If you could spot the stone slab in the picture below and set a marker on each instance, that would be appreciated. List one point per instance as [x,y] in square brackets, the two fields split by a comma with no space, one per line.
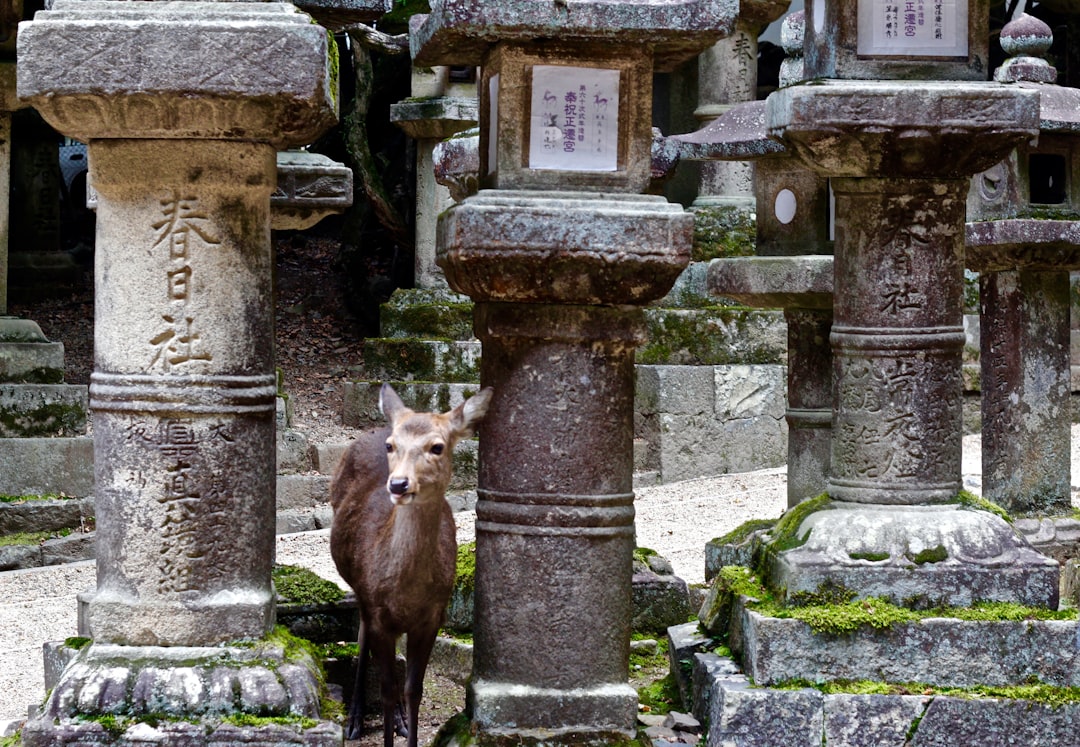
[44,515]
[936,651]
[738,410]
[310,187]
[32,362]
[804,282]
[302,491]
[293,451]
[713,336]
[427,313]
[750,716]
[434,117]
[458,33]
[38,466]
[33,410]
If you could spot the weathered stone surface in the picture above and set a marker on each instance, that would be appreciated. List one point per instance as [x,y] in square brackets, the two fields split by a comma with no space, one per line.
[310,187]
[757,717]
[660,601]
[804,282]
[457,164]
[936,555]
[292,451]
[741,552]
[1034,244]
[573,248]
[862,128]
[44,515]
[713,336]
[937,651]
[405,359]
[685,641]
[70,549]
[336,14]
[954,721]
[435,118]
[76,68]
[459,33]
[39,410]
[427,313]
[32,362]
[739,410]
[738,134]
[1057,537]
[14,557]
[707,669]
[37,466]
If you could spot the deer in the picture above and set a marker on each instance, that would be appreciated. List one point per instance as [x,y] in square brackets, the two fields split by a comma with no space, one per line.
[394,541]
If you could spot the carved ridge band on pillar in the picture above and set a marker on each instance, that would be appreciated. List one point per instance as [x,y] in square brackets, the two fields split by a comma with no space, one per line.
[207,394]
[868,340]
[555,514]
[806,418]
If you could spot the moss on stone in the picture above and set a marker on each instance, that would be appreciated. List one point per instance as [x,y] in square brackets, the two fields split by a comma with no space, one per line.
[29,498]
[43,420]
[785,535]
[936,554]
[976,503]
[31,538]
[465,573]
[875,557]
[302,586]
[741,533]
[78,643]
[723,232]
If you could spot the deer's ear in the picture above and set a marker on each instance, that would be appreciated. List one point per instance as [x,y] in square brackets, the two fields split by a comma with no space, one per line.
[390,404]
[465,417]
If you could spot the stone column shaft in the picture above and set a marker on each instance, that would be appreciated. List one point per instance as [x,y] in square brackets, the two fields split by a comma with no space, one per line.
[809,411]
[1025,390]
[5,201]
[555,512]
[183,391]
[897,340]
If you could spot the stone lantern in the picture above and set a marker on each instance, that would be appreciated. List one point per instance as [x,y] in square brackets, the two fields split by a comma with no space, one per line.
[1022,238]
[559,251]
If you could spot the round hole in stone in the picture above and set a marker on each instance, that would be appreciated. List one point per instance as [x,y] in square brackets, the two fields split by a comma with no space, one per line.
[785,205]
[819,16]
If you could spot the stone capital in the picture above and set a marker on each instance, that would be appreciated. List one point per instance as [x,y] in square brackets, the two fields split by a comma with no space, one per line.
[459,32]
[568,248]
[1022,244]
[902,128]
[105,69]
[801,282]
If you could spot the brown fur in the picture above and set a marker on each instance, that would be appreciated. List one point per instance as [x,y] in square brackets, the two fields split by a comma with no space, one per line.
[399,557]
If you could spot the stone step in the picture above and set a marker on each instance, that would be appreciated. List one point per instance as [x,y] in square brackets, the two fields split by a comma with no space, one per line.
[39,410]
[427,313]
[745,713]
[44,514]
[39,466]
[409,359]
[718,335]
[690,290]
[32,362]
[939,651]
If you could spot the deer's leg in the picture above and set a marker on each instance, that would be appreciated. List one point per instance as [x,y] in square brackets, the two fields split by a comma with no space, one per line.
[382,647]
[355,723]
[418,652]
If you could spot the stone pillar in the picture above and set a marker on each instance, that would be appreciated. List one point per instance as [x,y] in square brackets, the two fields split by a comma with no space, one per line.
[183,161]
[1024,362]
[560,539]
[809,410]
[897,340]
[556,276]
[1023,259]
[183,391]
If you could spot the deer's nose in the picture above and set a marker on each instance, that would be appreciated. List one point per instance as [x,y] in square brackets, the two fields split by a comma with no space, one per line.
[399,485]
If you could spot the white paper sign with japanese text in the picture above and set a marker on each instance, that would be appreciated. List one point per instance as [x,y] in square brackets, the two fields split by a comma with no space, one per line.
[913,28]
[574,125]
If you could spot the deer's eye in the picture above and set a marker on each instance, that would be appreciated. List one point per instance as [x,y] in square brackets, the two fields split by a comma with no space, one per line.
[437,449]
[389,448]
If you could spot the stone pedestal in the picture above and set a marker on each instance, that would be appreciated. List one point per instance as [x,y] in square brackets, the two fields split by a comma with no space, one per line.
[183,389]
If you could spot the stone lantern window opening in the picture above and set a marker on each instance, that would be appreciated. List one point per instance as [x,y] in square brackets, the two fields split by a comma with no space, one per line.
[462,74]
[1048,180]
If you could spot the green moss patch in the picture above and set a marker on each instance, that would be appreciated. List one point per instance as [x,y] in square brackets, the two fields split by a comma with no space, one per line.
[465,574]
[302,586]
[975,503]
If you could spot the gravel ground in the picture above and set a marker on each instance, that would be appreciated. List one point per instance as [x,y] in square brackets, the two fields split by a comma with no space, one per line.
[676,520]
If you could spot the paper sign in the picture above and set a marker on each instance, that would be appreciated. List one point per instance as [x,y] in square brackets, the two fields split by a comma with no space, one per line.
[913,28]
[574,124]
